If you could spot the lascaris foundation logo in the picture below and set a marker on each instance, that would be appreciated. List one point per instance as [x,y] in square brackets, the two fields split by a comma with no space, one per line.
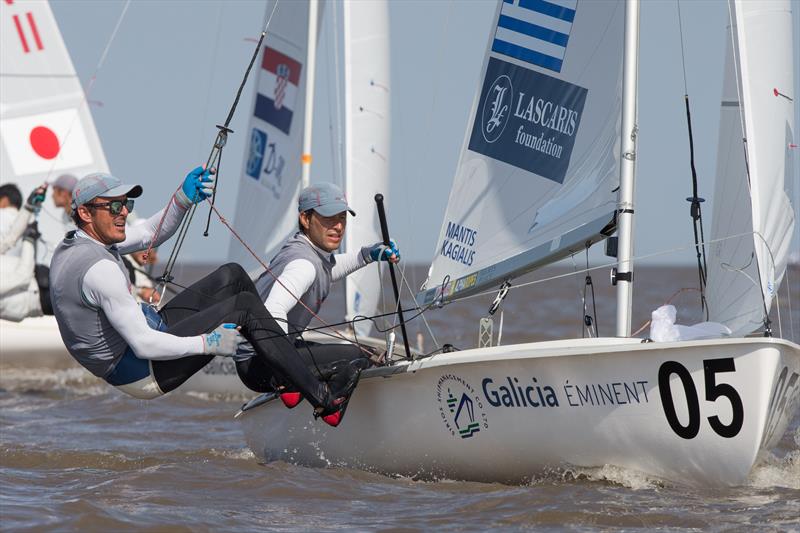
[460,407]
[496,106]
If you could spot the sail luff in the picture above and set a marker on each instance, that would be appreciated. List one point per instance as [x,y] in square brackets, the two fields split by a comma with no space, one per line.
[624,275]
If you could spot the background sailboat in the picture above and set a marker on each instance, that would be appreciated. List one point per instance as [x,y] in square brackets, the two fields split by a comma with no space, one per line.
[46,129]
[353,44]
[697,412]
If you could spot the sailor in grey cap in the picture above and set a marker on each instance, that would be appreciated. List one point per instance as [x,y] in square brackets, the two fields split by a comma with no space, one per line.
[147,352]
[306,266]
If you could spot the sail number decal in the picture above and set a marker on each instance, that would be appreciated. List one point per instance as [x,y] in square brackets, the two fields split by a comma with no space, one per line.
[714,391]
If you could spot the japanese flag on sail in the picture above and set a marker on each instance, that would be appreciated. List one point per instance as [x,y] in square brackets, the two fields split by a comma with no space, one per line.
[45,142]
[277,89]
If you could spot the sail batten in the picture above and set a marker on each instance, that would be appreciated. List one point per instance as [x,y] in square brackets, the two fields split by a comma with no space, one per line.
[539,167]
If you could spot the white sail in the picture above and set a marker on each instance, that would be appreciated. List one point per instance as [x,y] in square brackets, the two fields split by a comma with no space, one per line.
[366,144]
[45,123]
[753,219]
[539,167]
[266,207]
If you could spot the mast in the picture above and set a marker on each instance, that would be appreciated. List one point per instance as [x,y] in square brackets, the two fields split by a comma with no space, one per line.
[624,274]
[311,60]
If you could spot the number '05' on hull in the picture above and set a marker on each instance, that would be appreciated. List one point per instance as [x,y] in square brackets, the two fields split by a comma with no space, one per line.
[693,412]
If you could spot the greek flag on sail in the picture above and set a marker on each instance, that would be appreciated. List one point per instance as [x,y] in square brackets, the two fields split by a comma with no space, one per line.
[535,31]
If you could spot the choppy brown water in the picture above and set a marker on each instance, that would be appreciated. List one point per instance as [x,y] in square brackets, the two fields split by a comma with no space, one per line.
[77,455]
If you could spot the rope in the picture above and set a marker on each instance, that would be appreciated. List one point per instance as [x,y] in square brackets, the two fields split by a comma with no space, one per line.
[609,265]
[213,162]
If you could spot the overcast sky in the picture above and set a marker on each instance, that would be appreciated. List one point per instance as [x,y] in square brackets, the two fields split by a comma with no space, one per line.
[175,65]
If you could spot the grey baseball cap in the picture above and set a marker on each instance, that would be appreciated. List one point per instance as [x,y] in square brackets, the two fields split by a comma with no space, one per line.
[327,199]
[102,185]
[66,182]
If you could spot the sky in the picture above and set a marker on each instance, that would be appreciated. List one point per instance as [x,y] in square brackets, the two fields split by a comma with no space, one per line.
[173,69]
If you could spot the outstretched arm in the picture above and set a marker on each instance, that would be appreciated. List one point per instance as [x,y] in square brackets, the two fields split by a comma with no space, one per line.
[348,263]
[197,186]
[105,286]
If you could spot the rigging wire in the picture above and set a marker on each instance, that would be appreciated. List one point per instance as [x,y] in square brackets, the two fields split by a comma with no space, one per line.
[212,164]
[589,321]
[404,281]
[695,210]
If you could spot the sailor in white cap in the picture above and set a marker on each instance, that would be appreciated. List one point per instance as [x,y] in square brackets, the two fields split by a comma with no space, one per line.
[147,353]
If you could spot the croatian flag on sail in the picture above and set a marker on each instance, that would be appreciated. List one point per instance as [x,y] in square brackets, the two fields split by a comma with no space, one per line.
[535,31]
[277,89]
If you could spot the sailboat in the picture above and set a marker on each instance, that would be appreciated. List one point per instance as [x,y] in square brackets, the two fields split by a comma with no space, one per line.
[46,129]
[546,169]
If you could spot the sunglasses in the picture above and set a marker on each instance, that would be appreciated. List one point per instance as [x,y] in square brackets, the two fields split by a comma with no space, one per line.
[114,207]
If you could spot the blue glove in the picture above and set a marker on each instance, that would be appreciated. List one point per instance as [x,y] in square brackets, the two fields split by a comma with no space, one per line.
[199,184]
[222,341]
[381,252]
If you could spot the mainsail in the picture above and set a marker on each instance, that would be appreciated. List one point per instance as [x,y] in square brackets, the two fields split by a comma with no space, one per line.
[753,219]
[365,48]
[539,166]
[46,128]
[266,213]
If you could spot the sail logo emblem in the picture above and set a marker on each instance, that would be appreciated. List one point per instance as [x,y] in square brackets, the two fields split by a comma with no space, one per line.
[528,119]
[496,108]
[460,408]
[258,143]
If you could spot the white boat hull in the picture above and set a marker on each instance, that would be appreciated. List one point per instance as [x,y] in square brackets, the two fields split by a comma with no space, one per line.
[402,422]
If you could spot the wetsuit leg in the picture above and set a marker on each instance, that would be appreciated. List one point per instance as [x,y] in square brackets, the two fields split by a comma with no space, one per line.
[260,329]
[226,281]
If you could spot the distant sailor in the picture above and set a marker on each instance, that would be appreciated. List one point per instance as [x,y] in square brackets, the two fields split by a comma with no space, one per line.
[54,223]
[306,266]
[21,296]
[146,353]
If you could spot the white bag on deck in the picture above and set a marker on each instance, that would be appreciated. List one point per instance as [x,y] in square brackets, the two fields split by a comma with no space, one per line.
[664,329]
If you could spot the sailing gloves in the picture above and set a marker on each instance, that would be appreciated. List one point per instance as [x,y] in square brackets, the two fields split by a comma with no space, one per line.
[31,233]
[381,252]
[222,341]
[35,198]
[199,184]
